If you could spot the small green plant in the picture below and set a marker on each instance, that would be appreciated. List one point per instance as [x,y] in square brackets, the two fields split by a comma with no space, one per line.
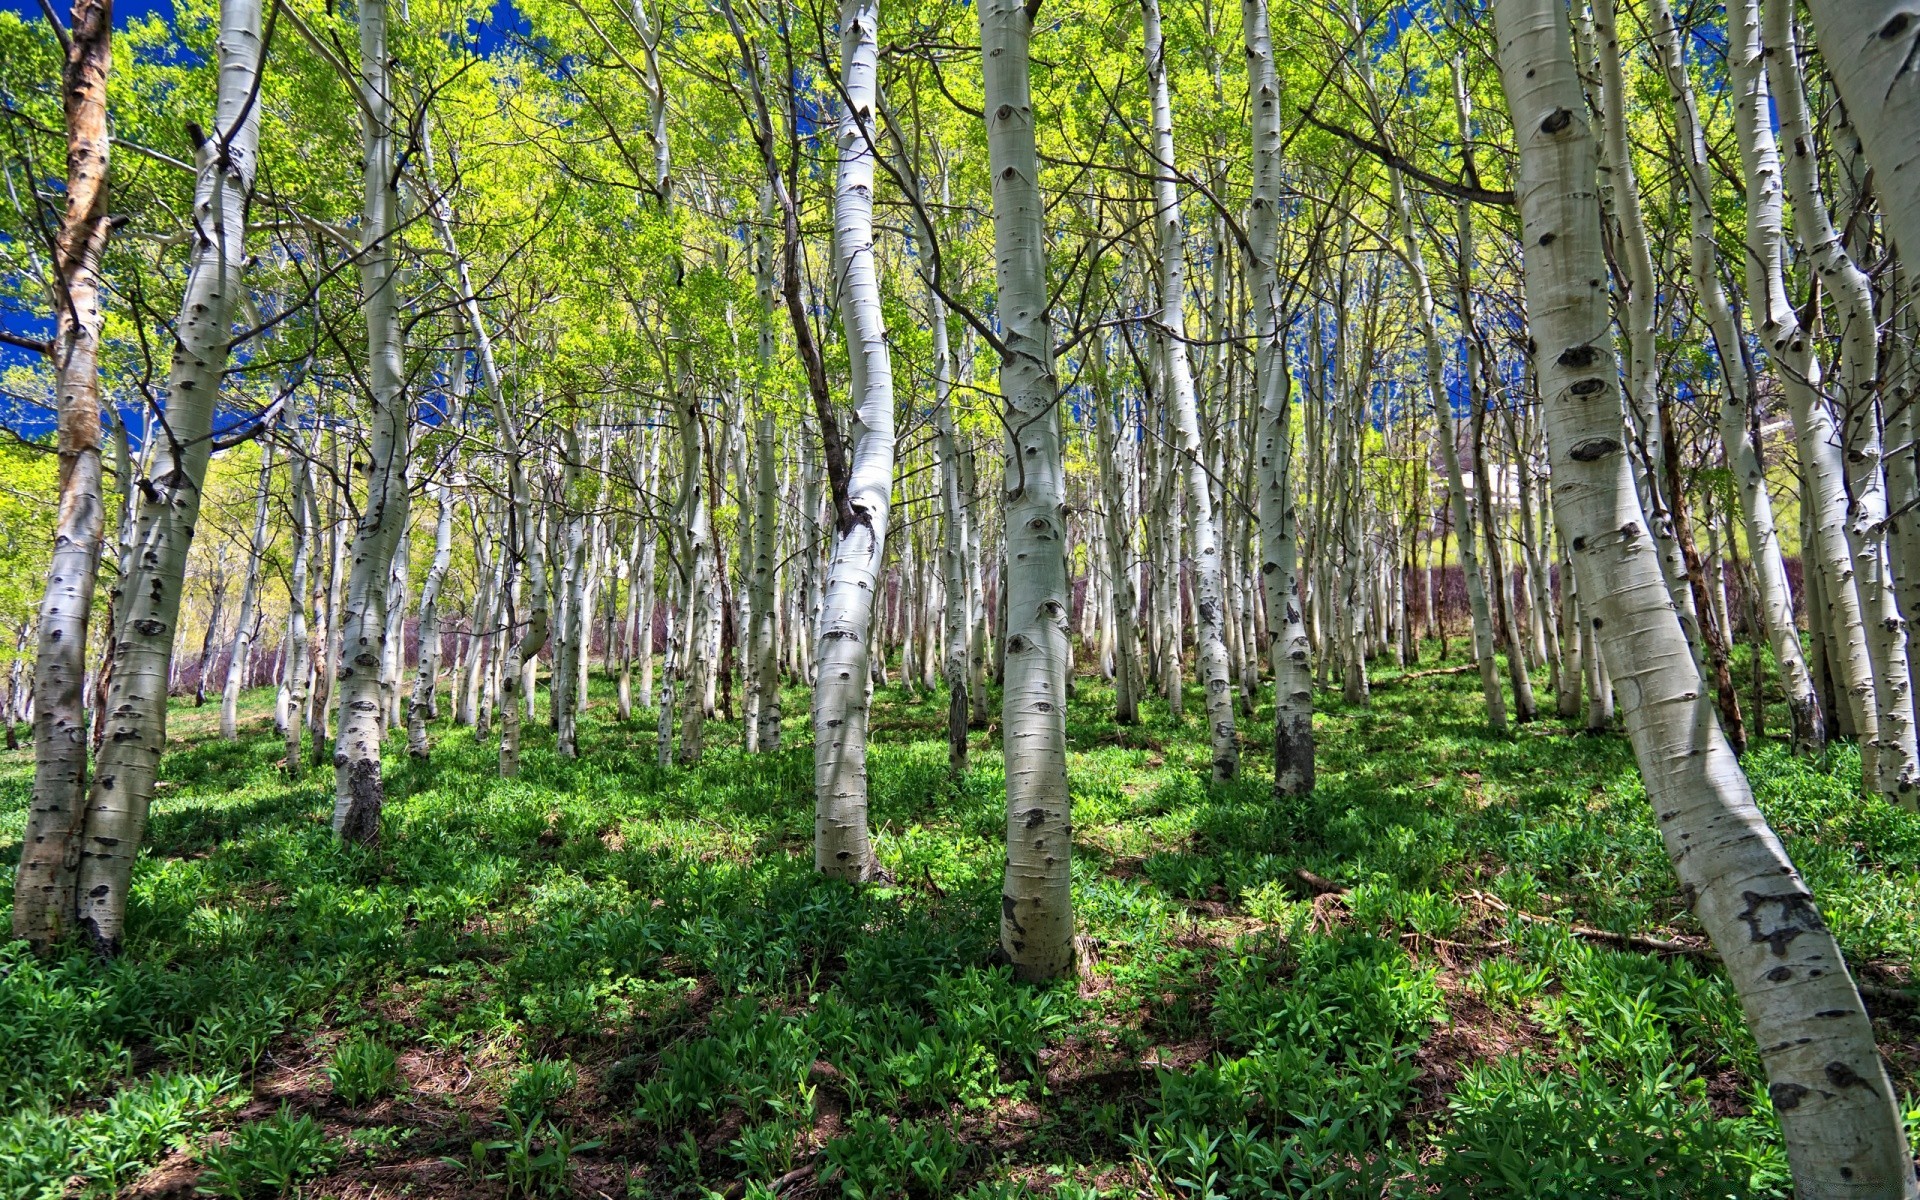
[362,1069]
[876,1158]
[534,1158]
[377,1140]
[268,1158]
[538,1085]
[226,1037]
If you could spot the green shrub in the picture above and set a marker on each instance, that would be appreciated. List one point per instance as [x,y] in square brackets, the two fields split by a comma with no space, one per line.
[268,1158]
[361,1069]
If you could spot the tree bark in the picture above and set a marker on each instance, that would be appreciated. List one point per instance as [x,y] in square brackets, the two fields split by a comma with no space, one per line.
[51,847]
[1837,1109]
[136,702]
[1293,755]
[359,790]
[240,656]
[1170,334]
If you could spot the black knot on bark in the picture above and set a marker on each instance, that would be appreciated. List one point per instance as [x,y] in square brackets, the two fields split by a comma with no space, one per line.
[1557,121]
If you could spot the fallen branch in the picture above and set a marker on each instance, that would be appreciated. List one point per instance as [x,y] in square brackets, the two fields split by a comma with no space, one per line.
[1390,680]
[1636,941]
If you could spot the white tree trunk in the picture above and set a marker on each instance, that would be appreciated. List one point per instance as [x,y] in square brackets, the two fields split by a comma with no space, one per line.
[428,675]
[299,664]
[840,696]
[358,788]
[240,655]
[1293,756]
[1797,366]
[52,844]
[1170,333]
[1036,915]
[1836,1107]
[1760,161]
[136,702]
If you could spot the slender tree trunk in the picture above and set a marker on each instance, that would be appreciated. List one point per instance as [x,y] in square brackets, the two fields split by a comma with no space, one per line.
[423,685]
[300,506]
[841,702]
[240,656]
[1837,1109]
[52,847]
[137,701]
[1036,917]
[217,609]
[1170,332]
[1824,492]
[1293,756]
[1759,157]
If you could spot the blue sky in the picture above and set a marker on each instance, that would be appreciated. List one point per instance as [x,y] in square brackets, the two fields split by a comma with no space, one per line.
[122,9]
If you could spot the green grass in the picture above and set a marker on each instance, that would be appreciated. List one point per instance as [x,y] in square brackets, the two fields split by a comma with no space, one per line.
[608,978]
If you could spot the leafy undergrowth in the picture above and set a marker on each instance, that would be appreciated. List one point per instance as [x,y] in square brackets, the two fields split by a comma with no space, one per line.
[608,979]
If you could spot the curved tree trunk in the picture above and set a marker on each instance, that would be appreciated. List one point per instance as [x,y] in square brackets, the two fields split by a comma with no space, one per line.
[1170,334]
[841,696]
[1837,1110]
[50,849]
[136,701]
[1759,157]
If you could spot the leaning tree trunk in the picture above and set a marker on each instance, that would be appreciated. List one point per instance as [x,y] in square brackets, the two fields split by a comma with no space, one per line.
[240,656]
[136,702]
[51,848]
[841,694]
[1870,52]
[1170,332]
[1293,763]
[1837,1110]
[1797,365]
[1859,389]
[1759,156]
[358,788]
[1036,911]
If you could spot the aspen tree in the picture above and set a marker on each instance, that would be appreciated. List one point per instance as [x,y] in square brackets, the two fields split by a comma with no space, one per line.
[1170,338]
[136,701]
[1293,756]
[359,791]
[299,662]
[419,706]
[842,693]
[1769,574]
[240,653]
[1836,1107]
[51,847]
[1036,914]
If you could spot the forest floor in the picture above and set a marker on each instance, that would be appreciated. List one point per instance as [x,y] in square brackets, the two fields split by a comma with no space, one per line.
[607,979]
